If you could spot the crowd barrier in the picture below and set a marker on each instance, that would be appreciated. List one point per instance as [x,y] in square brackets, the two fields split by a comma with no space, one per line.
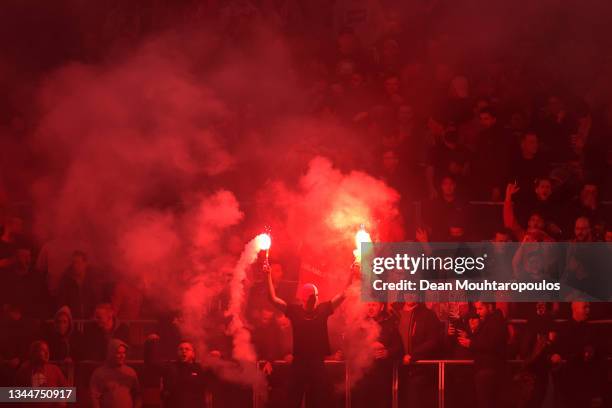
[79,324]
[79,373]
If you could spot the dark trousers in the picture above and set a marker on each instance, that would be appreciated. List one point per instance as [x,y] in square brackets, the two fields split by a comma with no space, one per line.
[538,393]
[309,379]
[487,382]
[375,388]
[460,386]
[417,388]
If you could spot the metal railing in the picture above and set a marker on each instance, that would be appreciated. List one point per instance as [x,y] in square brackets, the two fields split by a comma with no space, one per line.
[258,399]
[395,383]
[71,371]
[441,388]
[79,324]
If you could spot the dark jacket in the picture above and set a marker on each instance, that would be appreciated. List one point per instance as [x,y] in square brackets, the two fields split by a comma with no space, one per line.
[63,347]
[489,342]
[454,350]
[28,290]
[185,384]
[81,299]
[421,335]
[389,336]
[96,341]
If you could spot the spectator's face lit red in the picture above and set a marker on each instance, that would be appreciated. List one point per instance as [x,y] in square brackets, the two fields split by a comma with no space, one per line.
[62,324]
[588,195]
[186,353]
[120,356]
[41,354]
[582,230]
[374,309]
[104,318]
[581,311]
[529,145]
[79,267]
[536,222]
[487,120]
[448,187]
[392,85]
[543,190]
[482,309]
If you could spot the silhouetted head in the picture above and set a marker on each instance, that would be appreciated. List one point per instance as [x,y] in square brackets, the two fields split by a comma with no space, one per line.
[39,352]
[374,309]
[116,353]
[488,118]
[484,309]
[309,296]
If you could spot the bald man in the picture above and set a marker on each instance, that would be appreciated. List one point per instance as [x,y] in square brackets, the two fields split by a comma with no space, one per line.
[310,340]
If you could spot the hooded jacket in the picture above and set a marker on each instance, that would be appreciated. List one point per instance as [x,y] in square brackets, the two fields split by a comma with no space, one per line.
[63,347]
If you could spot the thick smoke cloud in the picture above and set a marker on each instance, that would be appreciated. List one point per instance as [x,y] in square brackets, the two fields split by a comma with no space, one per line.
[322,215]
[145,165]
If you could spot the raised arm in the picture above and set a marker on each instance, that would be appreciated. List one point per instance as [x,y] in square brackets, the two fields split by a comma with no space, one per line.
[339,298]
[510,221]
[279,303]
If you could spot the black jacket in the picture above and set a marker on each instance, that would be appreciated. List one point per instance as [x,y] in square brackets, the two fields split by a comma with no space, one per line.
[95,340]
[422,336]
[390,336]
[489,342]
[185,384]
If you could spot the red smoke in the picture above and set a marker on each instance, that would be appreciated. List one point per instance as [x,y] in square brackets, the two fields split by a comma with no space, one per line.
[321,216]
[147,167]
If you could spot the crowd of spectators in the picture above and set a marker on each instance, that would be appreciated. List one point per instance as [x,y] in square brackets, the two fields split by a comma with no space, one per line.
[515,145]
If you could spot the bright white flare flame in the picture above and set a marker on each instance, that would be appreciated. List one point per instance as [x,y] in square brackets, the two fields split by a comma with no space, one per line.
[360,237]
[264,241]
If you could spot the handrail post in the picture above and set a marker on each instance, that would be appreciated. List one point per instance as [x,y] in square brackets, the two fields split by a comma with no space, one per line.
[441,369]
[70,370]
[347,386]
[256,397]
[395,386]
